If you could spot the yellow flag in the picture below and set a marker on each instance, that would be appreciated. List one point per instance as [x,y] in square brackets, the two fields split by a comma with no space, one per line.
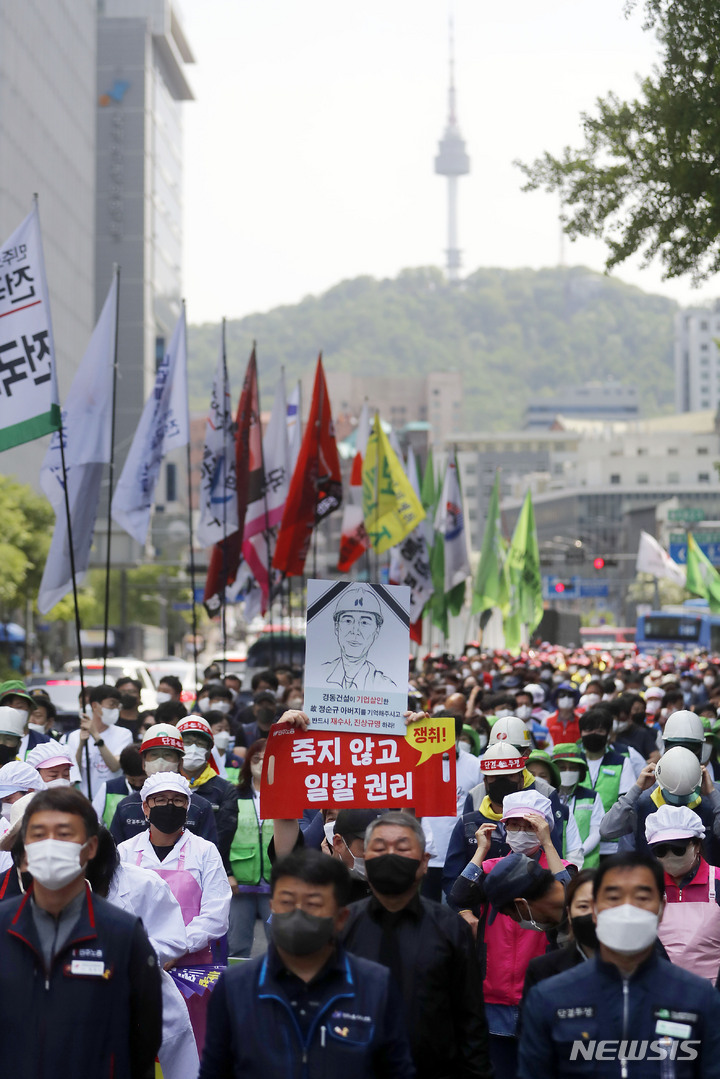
[390,506]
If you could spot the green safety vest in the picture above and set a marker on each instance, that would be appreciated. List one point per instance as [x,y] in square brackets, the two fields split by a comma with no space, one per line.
[232,775]
[249,849]
[582,812]
[111,804]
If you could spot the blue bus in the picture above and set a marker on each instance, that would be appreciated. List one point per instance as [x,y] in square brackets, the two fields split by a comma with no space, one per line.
[683,629]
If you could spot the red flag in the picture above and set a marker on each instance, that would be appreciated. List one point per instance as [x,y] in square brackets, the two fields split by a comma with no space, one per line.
[416,631]
[225,558]
[316,486]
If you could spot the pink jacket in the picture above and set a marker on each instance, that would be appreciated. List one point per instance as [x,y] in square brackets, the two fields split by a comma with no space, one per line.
[509,949]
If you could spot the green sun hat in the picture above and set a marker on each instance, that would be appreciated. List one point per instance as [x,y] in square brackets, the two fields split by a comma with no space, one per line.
[569,753]
[541,755]
[15,688]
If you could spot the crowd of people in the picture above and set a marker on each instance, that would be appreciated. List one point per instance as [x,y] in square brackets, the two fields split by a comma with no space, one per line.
[564,921]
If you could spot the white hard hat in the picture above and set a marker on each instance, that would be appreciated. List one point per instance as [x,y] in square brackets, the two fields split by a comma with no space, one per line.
[684,726]
[510,729]
[501,757]
[12,721]
[536,692]
[678,771]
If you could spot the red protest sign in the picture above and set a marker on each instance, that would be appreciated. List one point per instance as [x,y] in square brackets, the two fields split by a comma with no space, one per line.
[316,769]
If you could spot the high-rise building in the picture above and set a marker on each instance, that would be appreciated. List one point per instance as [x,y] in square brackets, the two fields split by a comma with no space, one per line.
[697,359]
[141,86]
[47,145]
[452,161]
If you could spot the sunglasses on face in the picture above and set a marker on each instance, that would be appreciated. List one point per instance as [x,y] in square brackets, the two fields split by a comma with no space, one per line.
[661,849]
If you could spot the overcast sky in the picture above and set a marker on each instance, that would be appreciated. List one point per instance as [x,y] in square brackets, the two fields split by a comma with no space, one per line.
[309,149]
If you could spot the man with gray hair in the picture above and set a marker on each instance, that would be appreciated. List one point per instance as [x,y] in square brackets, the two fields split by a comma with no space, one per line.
[428,950]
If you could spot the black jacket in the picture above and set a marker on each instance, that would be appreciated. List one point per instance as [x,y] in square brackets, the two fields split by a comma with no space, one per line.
[97,1012]
[223,797]
[430,952]
[129,819]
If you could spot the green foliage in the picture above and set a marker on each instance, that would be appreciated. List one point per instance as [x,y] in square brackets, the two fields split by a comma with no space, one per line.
[646,179]
[24,541]
[514,334]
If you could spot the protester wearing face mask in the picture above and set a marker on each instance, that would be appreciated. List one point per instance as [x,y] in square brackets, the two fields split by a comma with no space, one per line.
[330,1013]
[12,728]
[162,751]
[690,928]
[348,844]
[503,771]
[609,772]
[13,694]
[529,708]
[198,767]
[582,940]
[512,933]
[17,778]
[53,762]
[129,689]
[39,724]
[629,730]
[584,804]
[169,689]
[101,739]
[194,870]
[677,779]
[625,995]
[231,757]
[265,710]
[112,793]
[422,942]
[249,864]
[562,724]
[89,1011]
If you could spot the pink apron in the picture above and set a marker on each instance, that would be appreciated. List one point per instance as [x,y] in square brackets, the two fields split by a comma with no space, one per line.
[690,932]
[188,893]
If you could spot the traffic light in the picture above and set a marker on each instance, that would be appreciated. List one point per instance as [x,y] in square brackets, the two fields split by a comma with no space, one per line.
[560,587]
[599,562]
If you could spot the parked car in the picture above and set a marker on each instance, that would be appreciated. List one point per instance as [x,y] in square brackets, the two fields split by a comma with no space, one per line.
[121,667]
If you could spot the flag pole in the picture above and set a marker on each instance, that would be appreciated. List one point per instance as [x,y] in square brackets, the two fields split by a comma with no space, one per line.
[190,532]
[111,476]
[318,429]
[223,613]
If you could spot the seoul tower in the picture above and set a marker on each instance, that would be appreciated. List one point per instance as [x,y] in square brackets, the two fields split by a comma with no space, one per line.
[452,161]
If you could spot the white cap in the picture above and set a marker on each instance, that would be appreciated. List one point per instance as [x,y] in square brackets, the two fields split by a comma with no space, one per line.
[17,812]
[501,758]
[654,694]
[48,755]
[19,776]
[510,729]
[536,692]
[165,782]
[528,801]
[12,721]
[673,822]
[684,726]
[677,771]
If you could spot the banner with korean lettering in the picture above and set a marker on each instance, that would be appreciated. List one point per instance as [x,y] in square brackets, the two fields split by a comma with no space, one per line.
[356,658]
[29,402]
[317,769]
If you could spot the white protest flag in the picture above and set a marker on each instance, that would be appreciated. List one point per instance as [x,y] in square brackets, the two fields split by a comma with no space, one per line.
[29,403]
[410,560]
[294,427]
[86,427]
[164,426]
[652,558]
[218,495]
[450,523]
[264,512]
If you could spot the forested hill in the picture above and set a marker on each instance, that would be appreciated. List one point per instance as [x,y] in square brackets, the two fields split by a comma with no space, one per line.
[514,334]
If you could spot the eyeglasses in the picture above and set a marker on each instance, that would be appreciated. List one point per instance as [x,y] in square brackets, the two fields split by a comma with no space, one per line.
[180,801]
[678,849]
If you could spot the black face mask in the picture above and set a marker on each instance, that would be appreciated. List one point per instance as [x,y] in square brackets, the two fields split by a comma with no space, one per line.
[299,933]
[639,718]
[583,928]
[7,754]
[391,874]
[128,701]
[593,743]
[497,789]
[169,818]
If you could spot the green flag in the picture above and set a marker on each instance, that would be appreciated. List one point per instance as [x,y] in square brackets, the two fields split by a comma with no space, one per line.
[491,585]
[428,492]
[437,604]
[702,577]
[523,563]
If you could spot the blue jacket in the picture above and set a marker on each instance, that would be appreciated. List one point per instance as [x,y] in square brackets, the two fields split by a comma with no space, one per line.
[357,1032]
[592,1003]
[72,1020]
[129,819]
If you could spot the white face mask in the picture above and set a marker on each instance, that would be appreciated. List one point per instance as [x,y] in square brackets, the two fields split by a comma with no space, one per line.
[162,697]
[161,765]
[38,728]
[652,706]
[109,716]
[295,703]
[569,779]
[483,740]
[58,783]
[679,865]
[522,842]
[706,753]
[566,702]
[502,712]
[708,680]
[222,740]
[591,699]
[358,866]
[523,711]
[54,863]
[220,706]
[627,929]
[203,704]
[463,747]
[329,830]
[194,757]
[530,923]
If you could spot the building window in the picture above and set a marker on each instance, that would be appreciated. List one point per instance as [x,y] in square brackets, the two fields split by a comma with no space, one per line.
[642,451]
[171,483]
[615,477]
[643,477]
[703,325]
[703,477]
[159,352]
[702,451]
[673,477]
[672,451]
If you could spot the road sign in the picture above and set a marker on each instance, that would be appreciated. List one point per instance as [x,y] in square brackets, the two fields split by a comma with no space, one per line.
[593,589]
[678,551]
[560,587]
[686,513]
